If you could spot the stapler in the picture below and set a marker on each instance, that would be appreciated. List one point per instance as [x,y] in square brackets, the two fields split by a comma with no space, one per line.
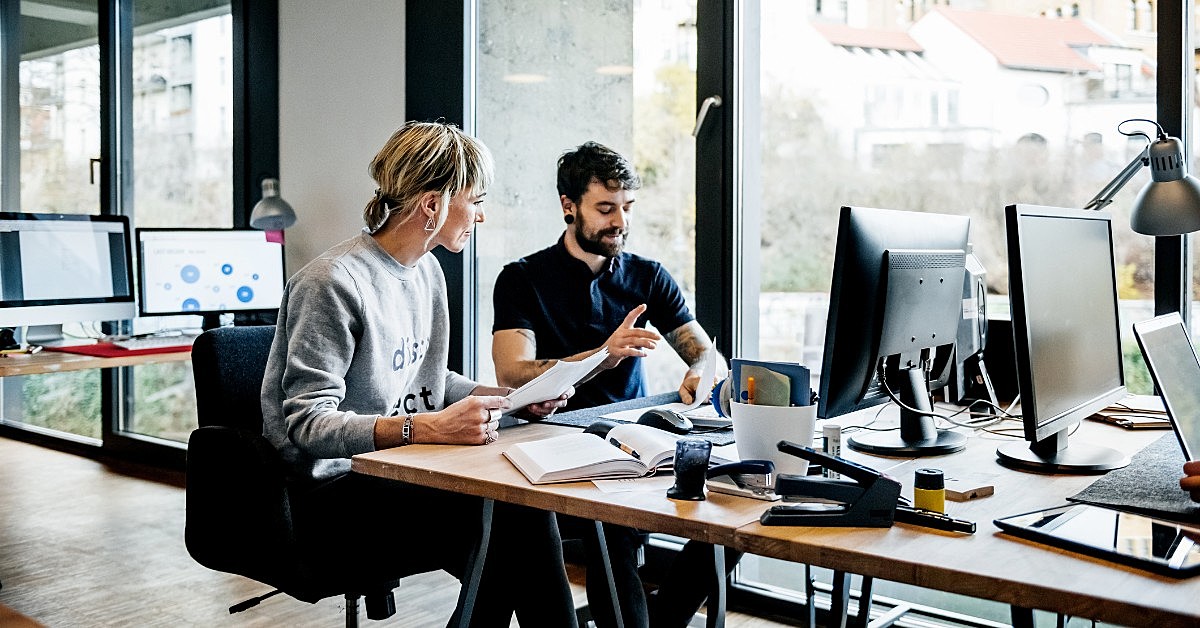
[862,497]
[748,478]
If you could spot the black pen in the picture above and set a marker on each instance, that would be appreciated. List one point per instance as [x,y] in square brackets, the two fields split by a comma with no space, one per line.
[935,520]
[625,448]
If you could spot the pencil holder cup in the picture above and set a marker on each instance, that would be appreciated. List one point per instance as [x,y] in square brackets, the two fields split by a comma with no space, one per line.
[757,431]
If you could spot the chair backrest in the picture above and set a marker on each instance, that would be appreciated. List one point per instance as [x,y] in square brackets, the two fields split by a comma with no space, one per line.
[228,365]
[238,511]
[238,515]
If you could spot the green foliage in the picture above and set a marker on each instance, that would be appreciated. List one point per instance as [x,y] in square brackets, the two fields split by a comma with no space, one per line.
[67,402]
[809,171]
[1127,287]
[164,402]
[1137,377]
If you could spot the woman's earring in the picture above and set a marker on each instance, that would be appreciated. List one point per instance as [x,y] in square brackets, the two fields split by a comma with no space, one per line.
[429,224]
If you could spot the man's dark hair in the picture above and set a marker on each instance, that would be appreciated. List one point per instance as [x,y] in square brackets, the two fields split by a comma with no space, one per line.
[594,162]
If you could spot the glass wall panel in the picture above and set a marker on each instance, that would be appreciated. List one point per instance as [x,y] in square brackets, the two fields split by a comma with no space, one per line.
[182,109]
[621,73]
[59,115]
[915,107]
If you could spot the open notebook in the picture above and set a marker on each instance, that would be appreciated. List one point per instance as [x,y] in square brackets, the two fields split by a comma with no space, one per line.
[628,451]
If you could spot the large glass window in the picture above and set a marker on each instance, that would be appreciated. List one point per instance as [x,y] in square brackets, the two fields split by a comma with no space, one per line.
[624,78]
[175,116]
[938,111]
[58,101]
[182,110]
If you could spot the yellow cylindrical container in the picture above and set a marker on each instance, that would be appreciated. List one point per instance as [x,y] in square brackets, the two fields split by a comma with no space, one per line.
[929,490]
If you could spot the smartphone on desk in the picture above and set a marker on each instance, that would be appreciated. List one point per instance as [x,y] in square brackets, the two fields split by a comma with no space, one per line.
[1156,545]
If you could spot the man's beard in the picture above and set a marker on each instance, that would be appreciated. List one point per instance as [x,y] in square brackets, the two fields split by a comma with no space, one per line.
[596,245]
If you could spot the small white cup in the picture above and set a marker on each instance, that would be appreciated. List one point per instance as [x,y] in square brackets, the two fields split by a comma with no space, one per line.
[758,429]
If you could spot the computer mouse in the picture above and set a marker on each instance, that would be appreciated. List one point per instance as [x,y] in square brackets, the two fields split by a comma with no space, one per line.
[666,420]
[600,427]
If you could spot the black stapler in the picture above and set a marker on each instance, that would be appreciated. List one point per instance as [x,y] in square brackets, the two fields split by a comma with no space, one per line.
[863,497]
[749,478]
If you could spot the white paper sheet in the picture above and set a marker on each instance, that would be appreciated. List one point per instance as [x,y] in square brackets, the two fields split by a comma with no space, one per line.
[555,380]
[708,377]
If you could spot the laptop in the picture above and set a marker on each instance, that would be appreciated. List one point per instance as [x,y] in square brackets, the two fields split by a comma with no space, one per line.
[1175,370]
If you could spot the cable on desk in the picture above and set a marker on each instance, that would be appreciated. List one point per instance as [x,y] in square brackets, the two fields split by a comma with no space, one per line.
[949,418]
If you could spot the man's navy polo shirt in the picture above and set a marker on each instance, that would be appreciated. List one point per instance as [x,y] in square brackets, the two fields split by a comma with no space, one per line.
[569,310]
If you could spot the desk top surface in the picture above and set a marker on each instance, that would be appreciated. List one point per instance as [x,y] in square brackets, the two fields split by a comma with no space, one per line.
[987,564]
[44,362]
[485,472]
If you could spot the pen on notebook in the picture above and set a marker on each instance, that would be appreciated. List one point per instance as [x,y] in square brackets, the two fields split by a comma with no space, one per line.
[750,390]
[625,448]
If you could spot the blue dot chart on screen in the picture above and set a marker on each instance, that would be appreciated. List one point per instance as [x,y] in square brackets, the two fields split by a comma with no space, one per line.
[201,275]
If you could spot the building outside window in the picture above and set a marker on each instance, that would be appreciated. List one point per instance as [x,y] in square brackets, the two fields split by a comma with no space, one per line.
[181,176]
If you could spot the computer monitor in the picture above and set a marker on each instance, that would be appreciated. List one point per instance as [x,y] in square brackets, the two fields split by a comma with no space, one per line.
[894,310]
[1063,291]
[64,268]
[208,272]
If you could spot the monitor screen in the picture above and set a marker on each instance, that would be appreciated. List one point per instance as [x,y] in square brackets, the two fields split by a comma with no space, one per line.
[64,268]
[1063,292]
[896,294]
[208,271]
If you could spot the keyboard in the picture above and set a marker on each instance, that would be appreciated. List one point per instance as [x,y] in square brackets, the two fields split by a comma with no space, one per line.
[156,342]
[705,416]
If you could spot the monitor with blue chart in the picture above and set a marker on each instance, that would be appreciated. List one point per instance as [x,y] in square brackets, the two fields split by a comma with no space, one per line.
[1063,295]
[894,310]
[64,268]
[208,272]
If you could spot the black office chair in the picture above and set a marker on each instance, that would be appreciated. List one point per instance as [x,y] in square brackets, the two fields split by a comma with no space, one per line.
[238,512]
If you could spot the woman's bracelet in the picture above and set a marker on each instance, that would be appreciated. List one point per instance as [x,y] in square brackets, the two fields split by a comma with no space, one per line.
[407,431]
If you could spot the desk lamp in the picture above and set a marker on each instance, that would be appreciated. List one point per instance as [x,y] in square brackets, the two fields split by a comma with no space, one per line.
[272,213]
[1168,205]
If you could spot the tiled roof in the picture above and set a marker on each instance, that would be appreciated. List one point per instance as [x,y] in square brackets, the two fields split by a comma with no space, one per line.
[1040,43]
[877,38]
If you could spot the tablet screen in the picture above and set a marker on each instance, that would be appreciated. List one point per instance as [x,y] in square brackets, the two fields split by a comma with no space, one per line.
[1176,372]
[1131,539]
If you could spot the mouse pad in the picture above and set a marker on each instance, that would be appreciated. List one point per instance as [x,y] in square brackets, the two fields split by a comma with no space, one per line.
[1149,485]
[587,416]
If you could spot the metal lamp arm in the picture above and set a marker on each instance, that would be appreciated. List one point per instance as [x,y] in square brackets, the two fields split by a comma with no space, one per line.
[1105,196]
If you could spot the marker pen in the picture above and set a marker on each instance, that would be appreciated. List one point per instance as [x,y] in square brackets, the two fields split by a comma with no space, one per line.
[750,390]
[625,448]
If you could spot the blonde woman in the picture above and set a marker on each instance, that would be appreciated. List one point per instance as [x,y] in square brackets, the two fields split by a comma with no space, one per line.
[358,363]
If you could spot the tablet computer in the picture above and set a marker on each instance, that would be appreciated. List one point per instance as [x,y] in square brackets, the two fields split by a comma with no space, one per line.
[1175,370]
[1163,547]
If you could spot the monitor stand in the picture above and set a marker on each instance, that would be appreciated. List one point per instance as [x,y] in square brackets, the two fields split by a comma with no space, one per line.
[1052,455]
[918,436]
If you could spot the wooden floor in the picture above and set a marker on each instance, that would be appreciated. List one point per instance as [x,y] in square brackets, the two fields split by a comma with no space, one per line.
[85,544]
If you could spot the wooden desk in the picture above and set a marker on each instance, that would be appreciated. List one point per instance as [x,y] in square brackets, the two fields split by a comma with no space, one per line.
[989,564]
[986,565]
[484,472]
[44,362]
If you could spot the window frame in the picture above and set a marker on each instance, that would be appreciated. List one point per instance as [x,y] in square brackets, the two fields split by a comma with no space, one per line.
[255,114]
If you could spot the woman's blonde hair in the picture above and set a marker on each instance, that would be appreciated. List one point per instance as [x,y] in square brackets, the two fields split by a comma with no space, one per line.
[425,157]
